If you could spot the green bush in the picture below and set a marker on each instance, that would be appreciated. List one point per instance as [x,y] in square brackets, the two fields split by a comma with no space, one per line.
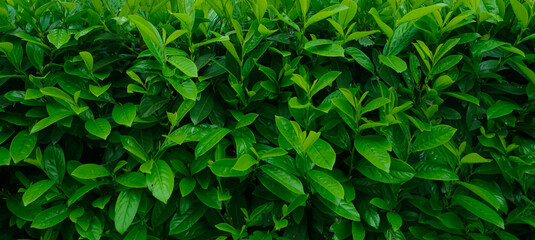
[267,119]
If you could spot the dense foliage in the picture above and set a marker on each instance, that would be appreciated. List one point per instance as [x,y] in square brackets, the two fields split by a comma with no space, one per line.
[267,119]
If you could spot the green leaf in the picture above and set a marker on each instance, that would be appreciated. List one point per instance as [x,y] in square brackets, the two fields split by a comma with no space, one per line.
[22,145]
[385,28]
[126,209]
[151,37]
[325,80]
[438,135]
[50,217]
[90,171]
[54,162]
[132,180]
[463,96]
[446,63]
[99,127]
[58,37]
[395,220]
[283,177]
[520,12]
[375,149]
[325,13]
[182,222]
[187,89]
[202,108]
[394,62]
[5,156]
[479,209]
[57,93]
[344,209]
[36,190]
[225,168]
[400,172]
[357,231]
[374,104]
[246,120]
[185,65]
[225,227]
[131,145]
[361,58]
[324,47]
[244,162]
[289,132]
[161,181]
[187,185]
[419,13]
[88,60]
[210,140]
[501,108]
[434,171]
[97,91]
[327,182]
[138,232]
[322,154]
[80,192]
[124,114]
[451,220]
[482,193]
[474,158]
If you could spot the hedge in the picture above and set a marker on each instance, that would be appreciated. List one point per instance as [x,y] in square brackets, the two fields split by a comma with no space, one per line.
[267,119]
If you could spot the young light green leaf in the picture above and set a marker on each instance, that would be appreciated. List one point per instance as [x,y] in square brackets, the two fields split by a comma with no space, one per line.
[438,135]
[185,65]
[394,62]
[57,93]
[97,91]
[36,190]
[244,162]
[151,37]
[88,60]
[325,13]
[90,171]
[385,28]
[375,149]
[324,47]
[124,114]
[58,37]
[395,220]
[463,96]
[474,158]
[520,12]
[420,12]
[324,81]
[99,127]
